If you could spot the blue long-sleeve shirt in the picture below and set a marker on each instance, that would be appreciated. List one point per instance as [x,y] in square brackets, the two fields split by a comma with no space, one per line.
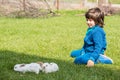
[95,42]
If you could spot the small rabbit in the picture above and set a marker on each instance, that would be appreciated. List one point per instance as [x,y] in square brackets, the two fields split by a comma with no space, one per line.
[32,67]
[50,67]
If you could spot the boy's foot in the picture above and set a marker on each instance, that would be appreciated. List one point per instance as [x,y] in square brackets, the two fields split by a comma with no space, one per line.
[105,59]
[90,63]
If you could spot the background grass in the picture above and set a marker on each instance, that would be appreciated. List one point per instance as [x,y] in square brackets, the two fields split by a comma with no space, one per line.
[74,1]
[52,40]
[112,1]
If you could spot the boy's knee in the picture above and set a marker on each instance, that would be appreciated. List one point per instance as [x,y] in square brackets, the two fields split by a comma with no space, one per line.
[72,54]
[75,53]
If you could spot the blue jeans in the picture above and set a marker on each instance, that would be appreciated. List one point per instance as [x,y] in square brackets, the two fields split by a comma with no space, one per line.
[82,58]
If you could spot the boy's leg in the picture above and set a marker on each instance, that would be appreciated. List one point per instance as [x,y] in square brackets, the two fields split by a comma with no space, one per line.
[83,59]
[104,59]
[76,53]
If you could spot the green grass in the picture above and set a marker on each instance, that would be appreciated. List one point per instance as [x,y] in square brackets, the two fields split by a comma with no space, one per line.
[115,1]
[112,1]
[78,1]
[52,40]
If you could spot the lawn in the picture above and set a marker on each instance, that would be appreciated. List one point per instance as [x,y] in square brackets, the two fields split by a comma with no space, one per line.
[51,40]
[111,1]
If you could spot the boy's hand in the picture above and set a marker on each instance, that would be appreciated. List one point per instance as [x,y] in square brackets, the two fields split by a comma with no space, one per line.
[90,63]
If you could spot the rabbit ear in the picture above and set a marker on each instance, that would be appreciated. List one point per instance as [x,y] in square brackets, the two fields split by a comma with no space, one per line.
[22,65]
[40,63]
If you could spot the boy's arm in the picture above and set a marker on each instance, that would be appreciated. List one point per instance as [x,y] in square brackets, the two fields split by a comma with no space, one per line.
[97,38]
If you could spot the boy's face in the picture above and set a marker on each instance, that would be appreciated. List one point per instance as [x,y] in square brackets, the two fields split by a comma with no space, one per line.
[90,23]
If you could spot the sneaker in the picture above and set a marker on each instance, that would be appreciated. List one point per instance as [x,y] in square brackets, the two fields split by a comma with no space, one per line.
[104,59]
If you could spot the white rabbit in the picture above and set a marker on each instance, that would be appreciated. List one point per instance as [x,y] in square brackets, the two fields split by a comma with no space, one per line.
[54,67]
[48,68]
[32,67]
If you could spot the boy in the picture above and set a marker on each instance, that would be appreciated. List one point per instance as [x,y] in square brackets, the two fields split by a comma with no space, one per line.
[94,42]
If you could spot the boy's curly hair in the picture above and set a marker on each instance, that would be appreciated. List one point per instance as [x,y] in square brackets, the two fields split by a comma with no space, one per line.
[97,15]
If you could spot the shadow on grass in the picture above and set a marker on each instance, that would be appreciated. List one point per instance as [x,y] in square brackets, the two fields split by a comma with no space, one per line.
[68,70]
